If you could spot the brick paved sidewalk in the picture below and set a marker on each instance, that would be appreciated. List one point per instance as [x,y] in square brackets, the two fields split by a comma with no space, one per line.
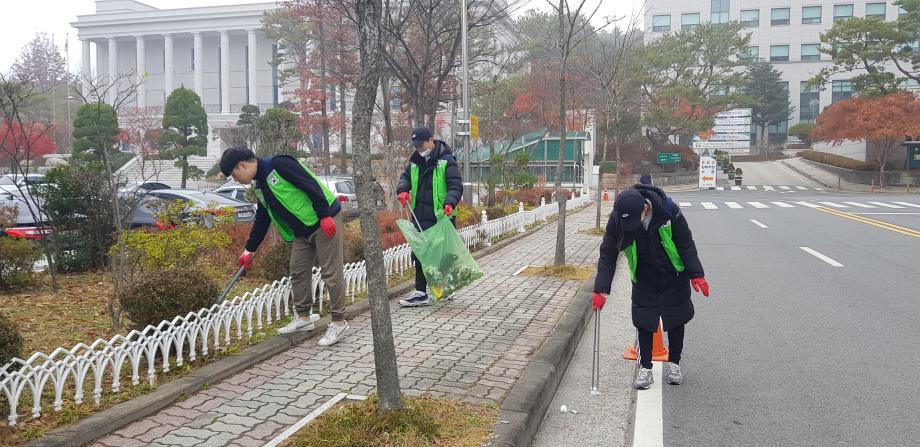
[473,347]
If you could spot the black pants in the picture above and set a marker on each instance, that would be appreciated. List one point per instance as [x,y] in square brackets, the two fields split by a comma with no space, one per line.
[675,346]
[421,284]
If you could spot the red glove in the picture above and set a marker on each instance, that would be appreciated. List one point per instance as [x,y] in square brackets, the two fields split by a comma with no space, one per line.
[246,260]
[404,198]
[599,301]
[328,226]
[448,210]
[700,285]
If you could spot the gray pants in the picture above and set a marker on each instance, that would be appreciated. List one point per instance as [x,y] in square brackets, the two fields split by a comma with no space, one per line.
[320,250]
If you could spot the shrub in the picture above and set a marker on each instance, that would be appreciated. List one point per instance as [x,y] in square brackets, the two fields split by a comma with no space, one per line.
[10,340]
[496,212]
[276,264]
[466,216]
[529,196]
[17,258]
[802,131]
[166,294]
[838,160]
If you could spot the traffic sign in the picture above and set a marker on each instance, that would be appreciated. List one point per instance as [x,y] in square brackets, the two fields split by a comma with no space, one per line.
[734,113]
[733,121]
[707,172]
[474,127]
[732,129]
[721,144]
[668,157]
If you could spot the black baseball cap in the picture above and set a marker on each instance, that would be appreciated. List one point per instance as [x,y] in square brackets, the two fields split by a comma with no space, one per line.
[232,157]
[420,135]
[628,209]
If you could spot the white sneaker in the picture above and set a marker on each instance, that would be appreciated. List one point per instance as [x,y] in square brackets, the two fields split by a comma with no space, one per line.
[415,299]
[298,324]
[334,332]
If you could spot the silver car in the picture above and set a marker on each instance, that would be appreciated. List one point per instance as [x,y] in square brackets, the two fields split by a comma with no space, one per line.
[143,214]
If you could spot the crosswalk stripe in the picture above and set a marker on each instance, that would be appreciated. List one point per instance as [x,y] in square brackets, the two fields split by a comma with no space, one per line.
[832,204]
[801,188]
[734,205]
[768,188]
[736,188]
[785,188]
[819,189]
[709,206]
[809,204]
[908,204]
[720,188]
[887,205]
[685,204]
[758,205]
[751,188]
[783,205]
[860,205]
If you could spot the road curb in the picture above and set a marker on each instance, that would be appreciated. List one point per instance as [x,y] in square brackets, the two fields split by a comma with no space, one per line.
[120,415]
[523,409]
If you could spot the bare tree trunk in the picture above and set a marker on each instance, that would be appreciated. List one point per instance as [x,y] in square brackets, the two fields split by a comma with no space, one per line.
[597,220]
[322,85]
[368,17]
[343,145]
[559,259]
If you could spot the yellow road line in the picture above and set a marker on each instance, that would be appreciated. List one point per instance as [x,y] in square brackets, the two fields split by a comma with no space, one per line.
[873,222]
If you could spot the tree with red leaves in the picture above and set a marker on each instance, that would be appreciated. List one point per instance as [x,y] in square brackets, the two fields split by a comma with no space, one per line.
[24,143]
[881,121]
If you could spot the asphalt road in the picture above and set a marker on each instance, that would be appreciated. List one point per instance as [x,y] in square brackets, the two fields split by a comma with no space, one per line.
[807,339]
[790,349]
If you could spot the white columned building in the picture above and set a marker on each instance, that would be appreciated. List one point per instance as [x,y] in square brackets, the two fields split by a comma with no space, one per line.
[216,51]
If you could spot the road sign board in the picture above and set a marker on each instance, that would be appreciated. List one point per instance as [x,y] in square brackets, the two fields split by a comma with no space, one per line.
[721,144]
[733,121]
[707,172]
[730,137]
[732,129]
[668,157]
[734,113]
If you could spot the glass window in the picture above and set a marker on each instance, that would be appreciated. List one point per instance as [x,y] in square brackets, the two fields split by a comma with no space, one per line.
[875,10]
[779,16]
[689,21]
[811,14]
[811,51]
[779,53]
[841,90]
[809,102]
[719,11]
[750,17]
[777,133]
[843,12]
[661,24]
[754,52]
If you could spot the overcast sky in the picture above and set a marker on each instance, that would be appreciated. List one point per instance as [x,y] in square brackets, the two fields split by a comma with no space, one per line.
[24,18]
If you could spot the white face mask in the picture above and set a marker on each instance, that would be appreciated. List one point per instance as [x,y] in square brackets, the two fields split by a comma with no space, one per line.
[425,153]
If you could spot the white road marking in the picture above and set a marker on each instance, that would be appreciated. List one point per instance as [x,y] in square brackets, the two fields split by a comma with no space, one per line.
[734,205]
[756,222]
[821,257]
[785,188]
[833,205]
[518,272]
[758,205]
[908,204]
[768,188]
[783,205]
[709,206]
[818,189]
[796,175]
[648,431]
[736,188]
[860,205]
[720,188]
[801,188]
[685,204]
[809,204]
[751,188]
[887,205]
[313,415]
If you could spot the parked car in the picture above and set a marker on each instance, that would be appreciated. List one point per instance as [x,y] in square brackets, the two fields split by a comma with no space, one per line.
[233,190]
[142,187]
[25,226]
[143,214]
[343,186]
[12,183]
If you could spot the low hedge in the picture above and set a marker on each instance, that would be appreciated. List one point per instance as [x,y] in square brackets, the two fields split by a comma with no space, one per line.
[838,161]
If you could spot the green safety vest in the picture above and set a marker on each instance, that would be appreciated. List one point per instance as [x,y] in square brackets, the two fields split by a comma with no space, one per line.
[666,241]
[294,200]
[438,187]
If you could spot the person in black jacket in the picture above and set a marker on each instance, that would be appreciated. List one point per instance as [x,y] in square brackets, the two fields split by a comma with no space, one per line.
[306,213]
[432,186]
[663,264]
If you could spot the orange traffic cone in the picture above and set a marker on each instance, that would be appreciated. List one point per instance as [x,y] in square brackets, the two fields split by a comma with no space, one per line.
[659,351]
[606,197]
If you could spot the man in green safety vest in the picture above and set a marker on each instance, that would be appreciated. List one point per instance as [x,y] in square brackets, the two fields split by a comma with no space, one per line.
[650,230]
[306,214]
[432,185]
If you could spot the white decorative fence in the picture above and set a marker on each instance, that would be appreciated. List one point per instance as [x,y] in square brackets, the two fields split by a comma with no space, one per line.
[186,338]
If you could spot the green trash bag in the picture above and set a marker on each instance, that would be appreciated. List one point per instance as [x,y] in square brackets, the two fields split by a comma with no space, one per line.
[447,263]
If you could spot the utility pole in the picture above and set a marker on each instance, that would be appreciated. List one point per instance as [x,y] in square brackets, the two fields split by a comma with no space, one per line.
[467,185]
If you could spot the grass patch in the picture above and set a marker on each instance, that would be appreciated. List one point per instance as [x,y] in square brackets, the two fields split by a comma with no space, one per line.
[422,422]
[597,231]
[567,272]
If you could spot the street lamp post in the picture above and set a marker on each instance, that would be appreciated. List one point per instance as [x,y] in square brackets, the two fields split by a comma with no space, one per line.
[464,53]
[814,110]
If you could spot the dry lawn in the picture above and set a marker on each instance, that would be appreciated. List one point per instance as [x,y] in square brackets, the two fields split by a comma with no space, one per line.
[567,272]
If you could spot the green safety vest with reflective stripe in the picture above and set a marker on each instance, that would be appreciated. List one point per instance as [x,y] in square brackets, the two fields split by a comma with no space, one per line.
[438,187]
[294,200]
[666,241]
